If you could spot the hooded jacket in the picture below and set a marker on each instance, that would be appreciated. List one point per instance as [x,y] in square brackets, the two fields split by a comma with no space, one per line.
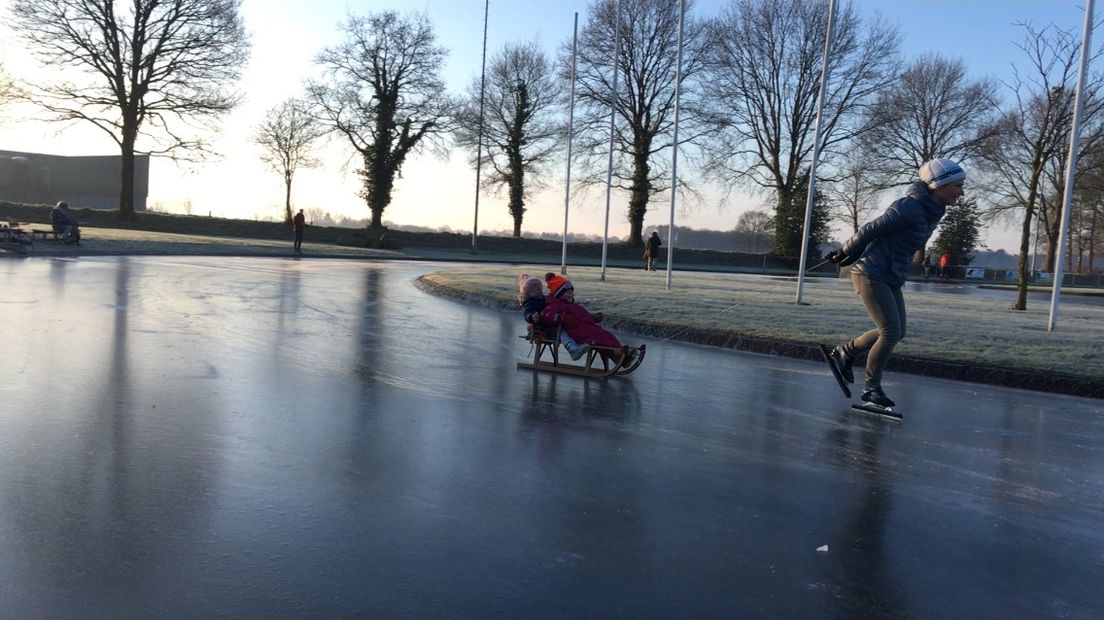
[882,249]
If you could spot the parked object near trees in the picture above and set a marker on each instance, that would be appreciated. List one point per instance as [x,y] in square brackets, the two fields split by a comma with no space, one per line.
[144,68]
[384,93]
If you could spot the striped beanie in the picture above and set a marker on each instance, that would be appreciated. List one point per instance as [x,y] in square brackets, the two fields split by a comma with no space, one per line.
[557,284]
[941,171]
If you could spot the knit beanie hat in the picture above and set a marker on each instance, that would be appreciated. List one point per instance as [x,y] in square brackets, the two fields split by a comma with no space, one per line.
[528,286]
[557,284]
[941,171]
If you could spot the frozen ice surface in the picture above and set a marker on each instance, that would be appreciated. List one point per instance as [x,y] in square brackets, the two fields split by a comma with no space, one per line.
[275,438]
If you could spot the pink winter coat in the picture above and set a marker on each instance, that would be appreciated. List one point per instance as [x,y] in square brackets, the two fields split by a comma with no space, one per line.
[579,323]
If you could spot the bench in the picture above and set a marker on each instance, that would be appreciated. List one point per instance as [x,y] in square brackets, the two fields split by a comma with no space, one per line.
[44,233]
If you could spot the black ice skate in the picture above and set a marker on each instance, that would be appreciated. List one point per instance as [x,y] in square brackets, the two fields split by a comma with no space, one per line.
[837,371]
[875,401]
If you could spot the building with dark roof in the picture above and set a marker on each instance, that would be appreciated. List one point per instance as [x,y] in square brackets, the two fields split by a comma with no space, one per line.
[82,181]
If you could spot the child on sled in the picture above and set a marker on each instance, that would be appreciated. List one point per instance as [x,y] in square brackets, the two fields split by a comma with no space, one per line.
[532,300]
[581,325]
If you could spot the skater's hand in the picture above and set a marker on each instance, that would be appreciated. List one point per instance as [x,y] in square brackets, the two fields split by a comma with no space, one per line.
[837,257]
[598,316]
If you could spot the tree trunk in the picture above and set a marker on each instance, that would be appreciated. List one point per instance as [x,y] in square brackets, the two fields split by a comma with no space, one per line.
[1025,238]
[1052,242]
[287,198]
[126,182]
[379,179]
[517,204]
[516,183]
[639,193]
[1092,241]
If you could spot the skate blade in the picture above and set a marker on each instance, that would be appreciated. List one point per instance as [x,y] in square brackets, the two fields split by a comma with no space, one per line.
[827,354]
[886,412]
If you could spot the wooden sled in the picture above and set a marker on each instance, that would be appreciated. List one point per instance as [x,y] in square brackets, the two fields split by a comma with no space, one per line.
[595,365]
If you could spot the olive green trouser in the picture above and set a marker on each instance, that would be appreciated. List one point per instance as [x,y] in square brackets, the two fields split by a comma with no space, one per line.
[886,306]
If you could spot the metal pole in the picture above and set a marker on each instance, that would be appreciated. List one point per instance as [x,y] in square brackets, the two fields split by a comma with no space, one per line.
[674,149]
[816,153]
[1071,167]
[570,137]
[479,143]
[613,114]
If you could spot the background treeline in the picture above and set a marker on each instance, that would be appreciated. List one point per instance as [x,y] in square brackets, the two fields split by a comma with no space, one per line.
[750,75]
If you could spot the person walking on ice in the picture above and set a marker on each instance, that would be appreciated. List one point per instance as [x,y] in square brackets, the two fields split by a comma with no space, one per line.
[879,255]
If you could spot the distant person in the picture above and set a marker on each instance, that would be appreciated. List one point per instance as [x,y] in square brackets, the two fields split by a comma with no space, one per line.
[881,252]
[927,266]
[944,266]
[298,223]
[63,224]
[651,251]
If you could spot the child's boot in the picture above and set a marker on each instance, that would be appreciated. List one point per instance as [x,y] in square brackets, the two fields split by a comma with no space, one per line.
[575,350]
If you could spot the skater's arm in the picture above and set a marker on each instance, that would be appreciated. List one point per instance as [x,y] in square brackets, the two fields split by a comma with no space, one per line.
[888,223]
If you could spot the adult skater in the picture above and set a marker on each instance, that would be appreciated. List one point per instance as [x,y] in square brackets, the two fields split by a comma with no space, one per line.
[880,253]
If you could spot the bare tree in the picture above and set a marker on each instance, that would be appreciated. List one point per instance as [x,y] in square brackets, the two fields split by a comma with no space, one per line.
[1053,189]
[287,136]
[753,231]
[141,71]
[520,131]
[645,102]
[934,110]
[1035,130]
[852,199]
[767,61]
[385,94]
[7,87]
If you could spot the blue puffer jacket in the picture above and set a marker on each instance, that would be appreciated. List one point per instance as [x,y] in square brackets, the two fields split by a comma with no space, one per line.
[885,245]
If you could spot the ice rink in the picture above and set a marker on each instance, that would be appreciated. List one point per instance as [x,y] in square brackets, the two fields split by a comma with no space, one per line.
[290,438]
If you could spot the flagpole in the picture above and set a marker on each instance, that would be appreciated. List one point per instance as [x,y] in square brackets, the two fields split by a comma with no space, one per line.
[810,200]
[1071,169]
[674,149]
[479,143]
[613,114]
[570,138]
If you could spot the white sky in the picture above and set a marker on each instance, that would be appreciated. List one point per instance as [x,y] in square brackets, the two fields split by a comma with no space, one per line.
[287,34]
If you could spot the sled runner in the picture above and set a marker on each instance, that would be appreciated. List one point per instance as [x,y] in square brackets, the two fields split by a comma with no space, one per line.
[593,365]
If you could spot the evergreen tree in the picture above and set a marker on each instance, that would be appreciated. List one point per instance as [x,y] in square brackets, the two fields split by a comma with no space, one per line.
[959,232]
[790,218]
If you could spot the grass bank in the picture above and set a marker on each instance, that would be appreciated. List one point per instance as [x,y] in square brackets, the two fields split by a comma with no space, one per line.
[953,336]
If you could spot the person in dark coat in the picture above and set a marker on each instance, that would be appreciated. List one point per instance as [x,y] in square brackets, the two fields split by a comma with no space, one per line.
[880,254]
[63,223]
[297,224]
[651,251]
